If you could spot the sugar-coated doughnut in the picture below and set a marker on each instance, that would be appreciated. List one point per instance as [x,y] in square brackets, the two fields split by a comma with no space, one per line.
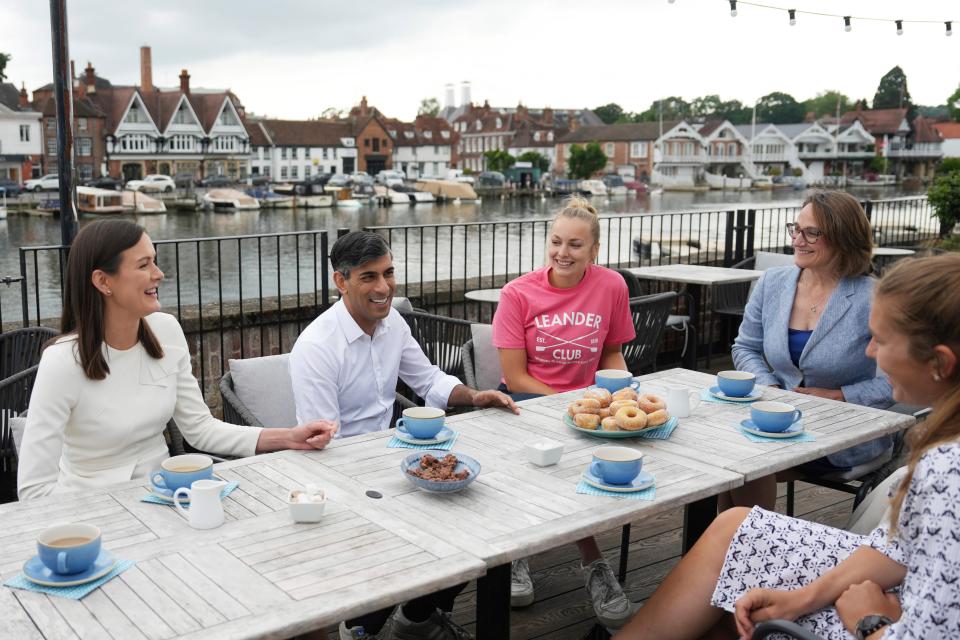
[587,420]
[609,424]
[627,393]
[601,395]
[616,405]
[585,405]
[649,403]
[658,417]
[605,413]
[631,419]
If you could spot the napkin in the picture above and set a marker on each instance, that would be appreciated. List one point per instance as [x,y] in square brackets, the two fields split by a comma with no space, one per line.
[662,432]
[71,593]
[806,436]
[590,490]
[706,396]
[397,443]
[227,490]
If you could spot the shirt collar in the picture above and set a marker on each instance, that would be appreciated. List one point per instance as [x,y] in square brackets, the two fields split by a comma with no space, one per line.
[351,330]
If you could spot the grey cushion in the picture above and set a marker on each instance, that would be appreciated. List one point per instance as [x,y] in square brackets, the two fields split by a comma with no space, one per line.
[401,304]
[766,259]
[486,358]
[17,425]
[264,386]
[875,507]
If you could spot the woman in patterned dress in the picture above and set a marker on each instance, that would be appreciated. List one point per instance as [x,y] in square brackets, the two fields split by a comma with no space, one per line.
[759,565]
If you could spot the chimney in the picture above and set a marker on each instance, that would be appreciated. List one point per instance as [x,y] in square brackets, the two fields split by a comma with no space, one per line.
[146,69]
[465,92]
[24,100]
[184,81]
[363,107]
[90,79]
[573,122]
[548,115]
[448,90]
[79,88]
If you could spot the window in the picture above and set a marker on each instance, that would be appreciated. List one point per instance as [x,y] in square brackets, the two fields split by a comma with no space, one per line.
[225,143]
[183,143]
[136,142]
[608,149]
[183,116]
[293,172]
[393,133]
[266,170]
[384,143]
[445,134]
[436,150]
[227,118]
[134,115]
[51,124]
[283,173]
[732,149]
[428,135]
[81,124]
[84,146]
[408,135]
[283,153]
[549,136]
[366,142]
[638,149]
[376,144]
[536,136]
[51,146]
[84,171]
[24,133]
[306,153]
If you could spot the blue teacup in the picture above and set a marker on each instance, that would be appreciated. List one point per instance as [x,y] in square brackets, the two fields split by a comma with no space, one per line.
[774,416]
[182,471]
[69,548]
[422,423]
[736,384]
[613,379]
[616,465]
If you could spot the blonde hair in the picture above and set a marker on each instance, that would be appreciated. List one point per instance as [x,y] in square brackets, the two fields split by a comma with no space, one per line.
[847,229]
[579,208]
[913,294]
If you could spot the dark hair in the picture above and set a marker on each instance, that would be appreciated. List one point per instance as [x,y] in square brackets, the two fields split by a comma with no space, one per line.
[99,245]
[356,248]
[847,229]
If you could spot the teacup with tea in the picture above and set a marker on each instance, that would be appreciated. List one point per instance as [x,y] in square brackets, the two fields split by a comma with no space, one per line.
[616,465]
[69,548]
[422,423]
[182,471]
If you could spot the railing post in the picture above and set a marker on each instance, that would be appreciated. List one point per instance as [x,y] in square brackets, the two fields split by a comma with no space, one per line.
[24,295]
[751,231]
[868,209]
[728,239]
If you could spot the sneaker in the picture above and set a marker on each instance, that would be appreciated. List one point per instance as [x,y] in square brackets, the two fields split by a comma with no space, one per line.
[355,633]
[521,584]
[610,603]
[439,626]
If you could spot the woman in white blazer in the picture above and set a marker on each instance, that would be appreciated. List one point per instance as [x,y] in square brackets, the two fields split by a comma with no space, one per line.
[107,387]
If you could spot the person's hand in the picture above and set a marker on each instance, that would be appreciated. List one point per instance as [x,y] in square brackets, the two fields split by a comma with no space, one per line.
[866,599]
[485,399]
[829,394]
[312,435]
[758,605]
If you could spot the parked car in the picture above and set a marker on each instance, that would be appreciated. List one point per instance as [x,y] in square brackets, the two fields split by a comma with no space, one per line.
[390,177]
[105,182]
[50,181]
[259,180]
[360,177]
[12,188]
[338,180]
[216,182]
[153,182]
[185,180]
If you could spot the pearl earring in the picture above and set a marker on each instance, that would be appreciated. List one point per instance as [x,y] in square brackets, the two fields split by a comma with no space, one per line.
[936,377]
[109,292]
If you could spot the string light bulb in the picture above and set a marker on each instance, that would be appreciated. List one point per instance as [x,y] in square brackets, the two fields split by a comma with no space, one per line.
[899,27]
[733,8]
[846,23]
[949,28]
[793,16]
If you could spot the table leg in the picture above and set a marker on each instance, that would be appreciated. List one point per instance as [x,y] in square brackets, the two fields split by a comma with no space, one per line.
[697,516]
[493,604]
[696,296]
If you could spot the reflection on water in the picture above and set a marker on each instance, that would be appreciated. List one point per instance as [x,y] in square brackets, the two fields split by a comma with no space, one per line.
[256,266]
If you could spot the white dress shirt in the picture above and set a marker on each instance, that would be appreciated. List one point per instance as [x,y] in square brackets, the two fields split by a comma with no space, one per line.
[340,373]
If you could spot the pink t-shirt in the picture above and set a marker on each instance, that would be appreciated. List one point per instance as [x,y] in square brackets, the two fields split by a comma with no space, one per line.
[564,330]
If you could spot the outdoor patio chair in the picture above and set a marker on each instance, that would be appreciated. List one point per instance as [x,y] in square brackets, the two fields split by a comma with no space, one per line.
[785,627]
[650,315]
[636,288]
[481,360]
[20,349]
[14,399]
[441,339]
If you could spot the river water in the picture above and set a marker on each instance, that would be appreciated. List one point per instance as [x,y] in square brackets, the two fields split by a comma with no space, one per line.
[262,265]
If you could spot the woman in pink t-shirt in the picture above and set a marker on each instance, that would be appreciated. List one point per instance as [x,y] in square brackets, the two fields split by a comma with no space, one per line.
[554,328]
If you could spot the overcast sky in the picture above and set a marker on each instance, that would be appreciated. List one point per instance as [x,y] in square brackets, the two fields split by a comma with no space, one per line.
[293,59]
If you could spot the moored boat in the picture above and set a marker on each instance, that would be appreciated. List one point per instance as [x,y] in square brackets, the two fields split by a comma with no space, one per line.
[717,181]
[93,200]
[139,202]
[229,200]
[447,189]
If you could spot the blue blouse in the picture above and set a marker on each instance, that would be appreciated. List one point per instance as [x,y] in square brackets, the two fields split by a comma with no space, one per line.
[796,341]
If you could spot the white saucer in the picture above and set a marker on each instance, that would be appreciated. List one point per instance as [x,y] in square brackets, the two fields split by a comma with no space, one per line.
[38,573]
[442,436]
[793,430]
[642,481]
[716,393]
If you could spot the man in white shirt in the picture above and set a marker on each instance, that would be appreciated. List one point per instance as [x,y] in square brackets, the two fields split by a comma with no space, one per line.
[345,367]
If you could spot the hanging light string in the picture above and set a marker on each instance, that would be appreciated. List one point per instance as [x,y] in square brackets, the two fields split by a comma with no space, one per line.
[847,20]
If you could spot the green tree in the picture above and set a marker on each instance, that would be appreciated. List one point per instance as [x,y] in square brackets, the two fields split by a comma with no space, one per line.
[944,196]
[429,107]
[332,113]
[735,112]
[705,106]
[892,92]
[538,160]
[948,165]
[953,105]
[609,113]
[585,161]
[4,59]
[673,108]
[825,104]
[779,108]
[498,160]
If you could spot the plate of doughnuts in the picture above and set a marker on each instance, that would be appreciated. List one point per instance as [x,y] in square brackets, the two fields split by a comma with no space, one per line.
[622,414]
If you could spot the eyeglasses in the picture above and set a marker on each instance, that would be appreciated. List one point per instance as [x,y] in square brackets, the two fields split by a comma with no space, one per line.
[810,234]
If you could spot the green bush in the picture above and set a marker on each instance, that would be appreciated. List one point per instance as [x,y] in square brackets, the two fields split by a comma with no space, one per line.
[948,165]
[944,196]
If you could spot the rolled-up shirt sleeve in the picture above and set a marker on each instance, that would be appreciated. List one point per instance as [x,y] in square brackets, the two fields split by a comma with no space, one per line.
[427,380]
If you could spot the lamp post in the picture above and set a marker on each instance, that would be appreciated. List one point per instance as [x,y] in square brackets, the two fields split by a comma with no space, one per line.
[63,96]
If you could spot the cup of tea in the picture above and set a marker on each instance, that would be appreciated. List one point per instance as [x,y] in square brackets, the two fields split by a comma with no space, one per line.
[737,384]
[69,548]
[422,423]
[774,416]
[616,465]
[613,379]
[182,471]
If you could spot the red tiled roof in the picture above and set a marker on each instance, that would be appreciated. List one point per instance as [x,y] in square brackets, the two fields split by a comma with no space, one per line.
[949,130]
[258,137]
[877,121]
[307,133]
[625,132]
[81,109]
[923,131]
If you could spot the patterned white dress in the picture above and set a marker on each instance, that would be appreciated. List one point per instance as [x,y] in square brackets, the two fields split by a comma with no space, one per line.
[773,551]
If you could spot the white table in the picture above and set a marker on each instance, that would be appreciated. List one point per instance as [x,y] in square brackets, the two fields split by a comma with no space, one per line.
[892,251]
[491,296]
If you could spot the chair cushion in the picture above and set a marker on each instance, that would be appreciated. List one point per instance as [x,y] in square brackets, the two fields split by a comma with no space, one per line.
[857,472]
[486,358]
[875,507]
[767,259]
[264,386]
[17,426]
[401,304]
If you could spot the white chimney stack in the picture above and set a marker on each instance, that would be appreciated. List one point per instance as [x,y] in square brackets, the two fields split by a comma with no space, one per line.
[448,90]
[465,93]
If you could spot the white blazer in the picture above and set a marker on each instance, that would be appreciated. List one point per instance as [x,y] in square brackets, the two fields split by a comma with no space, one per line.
[84,433]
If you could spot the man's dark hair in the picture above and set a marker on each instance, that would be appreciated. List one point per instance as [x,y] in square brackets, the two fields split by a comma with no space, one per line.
[356,248]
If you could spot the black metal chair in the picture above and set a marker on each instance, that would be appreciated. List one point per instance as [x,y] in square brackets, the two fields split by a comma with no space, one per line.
[649,321]
[441,339]
[790,629]
[14,399]
[20,349]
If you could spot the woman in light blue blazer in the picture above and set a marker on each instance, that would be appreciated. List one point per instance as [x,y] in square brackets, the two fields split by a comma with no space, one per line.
[805,326]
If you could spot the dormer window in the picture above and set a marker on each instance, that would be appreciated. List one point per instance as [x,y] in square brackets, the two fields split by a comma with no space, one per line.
[428,134]
[445,134]
[134,115]
[393,133]
[549,136]
[227,118]
[536,136]
[408,135]
[499,123]
[478,125]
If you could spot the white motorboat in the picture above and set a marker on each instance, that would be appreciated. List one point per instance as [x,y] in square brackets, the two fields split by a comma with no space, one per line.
[398,197]
[349,203]
[3,203]
[315,202]
[593,187]
[139,202]
[447,189]
[877,180]
[93,200]
[717,181]
[229,199]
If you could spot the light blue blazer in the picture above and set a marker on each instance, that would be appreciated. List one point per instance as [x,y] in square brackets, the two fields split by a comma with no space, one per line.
[834,357]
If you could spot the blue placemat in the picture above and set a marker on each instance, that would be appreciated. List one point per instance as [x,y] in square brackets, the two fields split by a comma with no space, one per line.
[71,593]
[663,431]
[227,490]
[590,490]
[396,443]
[706,396]
[806,436]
